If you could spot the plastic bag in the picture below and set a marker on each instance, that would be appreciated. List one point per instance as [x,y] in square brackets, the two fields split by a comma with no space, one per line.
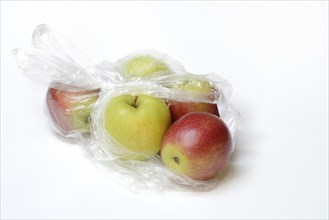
[79,93]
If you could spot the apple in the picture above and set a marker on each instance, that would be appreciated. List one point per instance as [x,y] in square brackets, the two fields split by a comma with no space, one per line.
[145,66]
[138,123]
[198,87]
[196,84]
[178,109]
[70,110]
[197,145]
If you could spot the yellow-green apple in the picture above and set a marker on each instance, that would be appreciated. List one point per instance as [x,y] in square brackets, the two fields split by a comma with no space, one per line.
[199,87]
[145,66]
[197,145]
[70,110]
[138,123]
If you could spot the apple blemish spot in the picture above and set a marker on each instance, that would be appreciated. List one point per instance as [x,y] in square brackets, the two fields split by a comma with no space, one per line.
[176,159]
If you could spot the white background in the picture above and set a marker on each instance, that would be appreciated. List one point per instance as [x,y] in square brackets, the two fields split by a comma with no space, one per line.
[274,53]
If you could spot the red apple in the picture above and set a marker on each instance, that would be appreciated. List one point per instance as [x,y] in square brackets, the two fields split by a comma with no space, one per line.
[70,110]
[195,86]
[197,145]
[178,109]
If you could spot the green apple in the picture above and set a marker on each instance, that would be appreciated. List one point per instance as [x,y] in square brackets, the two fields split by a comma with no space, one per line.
[145,66]
[138,123]
[197,145]
[199,87]
[70,110]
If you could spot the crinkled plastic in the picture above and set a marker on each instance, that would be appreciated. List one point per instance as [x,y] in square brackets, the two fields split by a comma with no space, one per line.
[79,92]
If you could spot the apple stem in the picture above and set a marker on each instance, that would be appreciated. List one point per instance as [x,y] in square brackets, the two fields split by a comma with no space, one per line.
[135,102]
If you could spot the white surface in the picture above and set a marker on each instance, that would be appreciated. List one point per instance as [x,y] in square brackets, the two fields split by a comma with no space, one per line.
[274,53]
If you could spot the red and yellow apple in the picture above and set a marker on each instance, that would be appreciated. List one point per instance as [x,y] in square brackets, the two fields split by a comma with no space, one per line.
[197,145]
[199,87]
[178,109]
[70,110]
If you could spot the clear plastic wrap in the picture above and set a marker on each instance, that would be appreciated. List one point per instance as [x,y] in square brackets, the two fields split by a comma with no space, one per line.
[80,92]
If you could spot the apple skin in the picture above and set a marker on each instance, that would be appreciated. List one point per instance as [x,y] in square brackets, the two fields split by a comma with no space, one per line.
[197,145]
[145,66]
[178,109]
[197,86]
[138,123]
[70,110]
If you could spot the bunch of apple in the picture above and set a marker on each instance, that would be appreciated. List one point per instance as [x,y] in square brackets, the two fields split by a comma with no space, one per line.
[161,112]
[184,128]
